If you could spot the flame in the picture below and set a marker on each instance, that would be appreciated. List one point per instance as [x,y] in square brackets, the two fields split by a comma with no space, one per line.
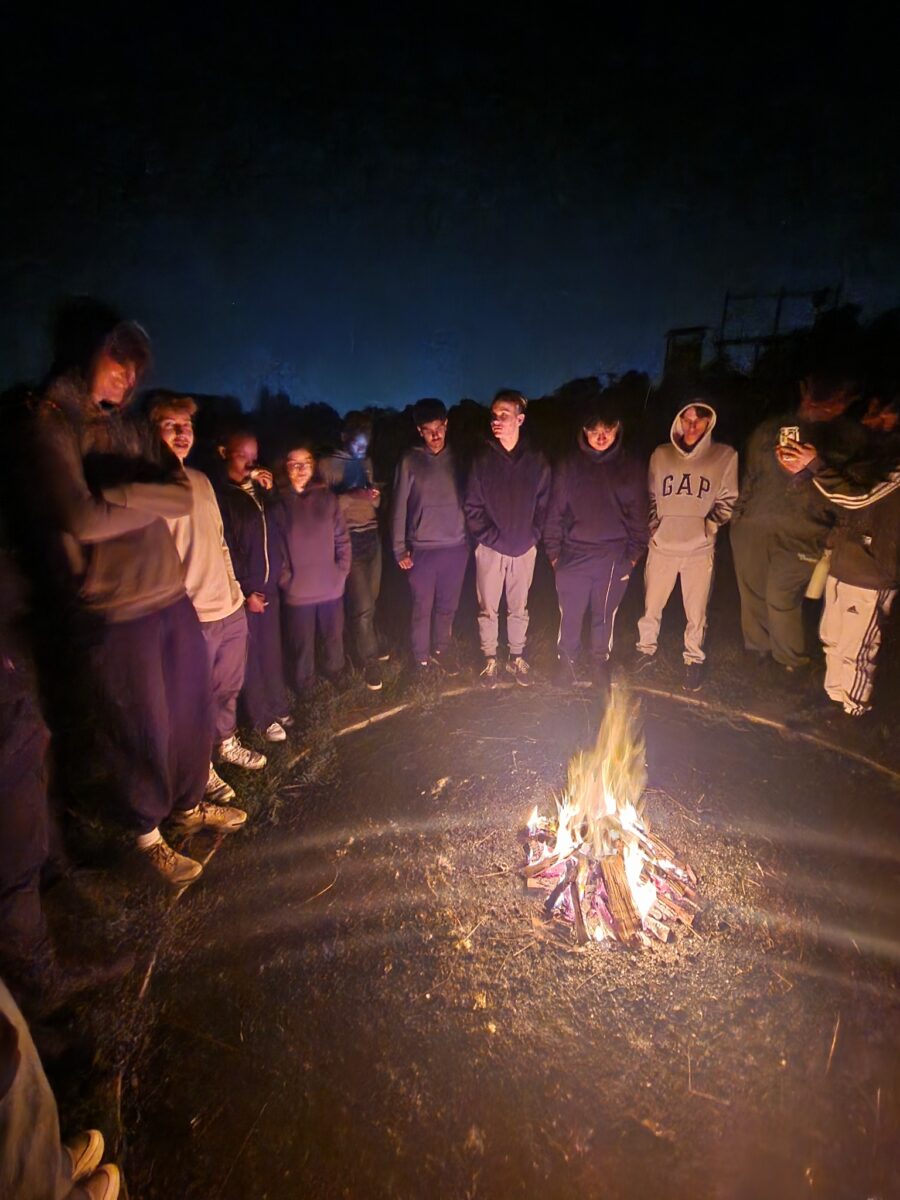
[600,810]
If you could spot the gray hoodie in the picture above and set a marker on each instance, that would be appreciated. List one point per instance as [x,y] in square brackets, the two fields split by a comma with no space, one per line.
[428,512]
[692,491]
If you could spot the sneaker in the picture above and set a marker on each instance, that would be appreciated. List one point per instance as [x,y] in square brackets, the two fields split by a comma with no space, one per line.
[693,677]
[446,660]
[104,1184]
[234,752]
[384,656]
[488,674]
[372,676]
[564,674]
[218,818]
[84,1152]
[217,790]
[275,733]
[174,868]
[520,670]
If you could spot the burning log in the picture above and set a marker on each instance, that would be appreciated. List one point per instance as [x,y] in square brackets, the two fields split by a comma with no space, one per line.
[659,929]
[603,869]
[564,882]
[582,937]
[624,912]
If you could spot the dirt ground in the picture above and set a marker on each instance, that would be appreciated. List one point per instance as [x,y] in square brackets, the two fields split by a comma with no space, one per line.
[355,1002]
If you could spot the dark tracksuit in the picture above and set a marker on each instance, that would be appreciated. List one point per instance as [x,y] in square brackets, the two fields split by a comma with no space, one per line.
[428,524]
[596,530]
[254,537]
[778,533]
[313,578]
[864,575]
[147,658]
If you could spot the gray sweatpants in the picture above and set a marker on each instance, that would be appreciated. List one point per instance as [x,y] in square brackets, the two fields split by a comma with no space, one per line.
[660,574]
[226,648]
[493,572]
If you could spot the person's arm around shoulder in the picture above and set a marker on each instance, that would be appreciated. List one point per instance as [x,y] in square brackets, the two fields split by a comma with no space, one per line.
[76,510]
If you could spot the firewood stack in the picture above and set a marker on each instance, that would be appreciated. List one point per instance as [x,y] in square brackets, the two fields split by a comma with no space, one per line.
[603,870]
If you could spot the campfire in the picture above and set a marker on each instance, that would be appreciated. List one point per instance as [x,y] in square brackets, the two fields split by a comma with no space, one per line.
[606,873]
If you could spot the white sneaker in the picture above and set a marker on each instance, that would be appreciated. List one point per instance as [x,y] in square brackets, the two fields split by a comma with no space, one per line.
[217,791]
[275,733]
[232,751]
[176,869]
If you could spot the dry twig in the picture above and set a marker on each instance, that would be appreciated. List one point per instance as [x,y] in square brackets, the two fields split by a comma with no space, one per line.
[834,1039]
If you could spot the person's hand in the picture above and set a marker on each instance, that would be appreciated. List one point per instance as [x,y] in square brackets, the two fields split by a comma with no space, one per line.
[256,602]
[264,478]
[405,563]
[795,456]
[553,562]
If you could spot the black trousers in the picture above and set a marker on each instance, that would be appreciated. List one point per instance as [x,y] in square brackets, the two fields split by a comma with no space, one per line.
[302,622]
[264,698]
[363,587]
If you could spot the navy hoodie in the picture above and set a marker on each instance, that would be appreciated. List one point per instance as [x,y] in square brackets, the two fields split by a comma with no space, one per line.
[253,534]
[598,506]
[506,497]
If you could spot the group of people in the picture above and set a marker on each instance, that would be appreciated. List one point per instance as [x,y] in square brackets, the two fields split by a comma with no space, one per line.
[183,608]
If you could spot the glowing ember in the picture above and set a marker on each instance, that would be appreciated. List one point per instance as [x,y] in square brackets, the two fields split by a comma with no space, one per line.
[605,871]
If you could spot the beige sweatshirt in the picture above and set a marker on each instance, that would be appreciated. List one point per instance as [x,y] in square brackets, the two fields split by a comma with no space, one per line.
[200,542]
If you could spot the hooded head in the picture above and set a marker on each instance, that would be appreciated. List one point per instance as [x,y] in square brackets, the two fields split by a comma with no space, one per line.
[692,427]
[106,356]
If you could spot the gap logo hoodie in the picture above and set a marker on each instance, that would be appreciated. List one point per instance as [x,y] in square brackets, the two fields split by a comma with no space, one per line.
[692,491]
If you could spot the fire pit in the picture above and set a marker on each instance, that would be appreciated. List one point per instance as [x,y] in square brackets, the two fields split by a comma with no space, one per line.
[606,873]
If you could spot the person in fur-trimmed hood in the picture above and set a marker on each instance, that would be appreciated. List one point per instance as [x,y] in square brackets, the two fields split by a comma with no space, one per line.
[693,484]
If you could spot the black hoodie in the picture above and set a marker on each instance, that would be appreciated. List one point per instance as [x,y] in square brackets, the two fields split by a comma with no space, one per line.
[506,497]
[598,505]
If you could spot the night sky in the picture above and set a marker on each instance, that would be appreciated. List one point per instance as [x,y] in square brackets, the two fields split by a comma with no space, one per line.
[368,211]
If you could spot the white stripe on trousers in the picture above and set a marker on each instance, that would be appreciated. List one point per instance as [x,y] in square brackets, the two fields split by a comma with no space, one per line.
[852,623]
